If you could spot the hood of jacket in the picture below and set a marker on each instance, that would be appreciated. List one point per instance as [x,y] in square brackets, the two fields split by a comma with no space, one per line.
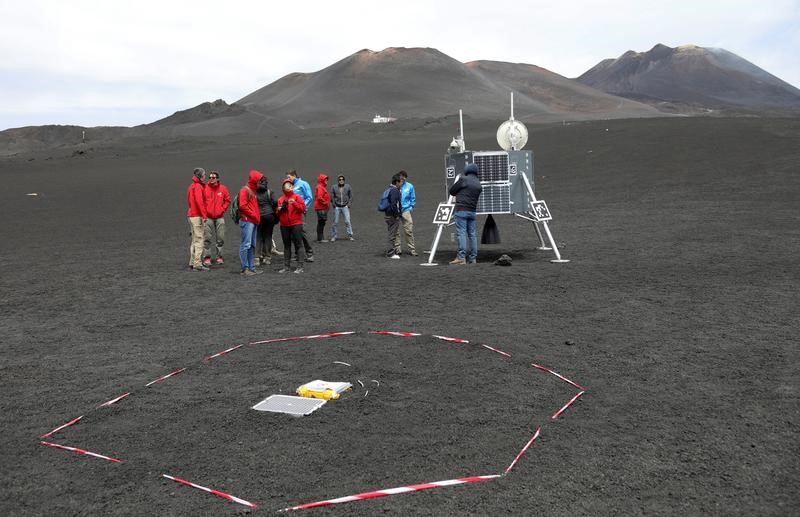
[255,177]
[322,179]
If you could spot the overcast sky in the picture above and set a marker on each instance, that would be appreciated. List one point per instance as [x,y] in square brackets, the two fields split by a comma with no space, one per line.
[125,63]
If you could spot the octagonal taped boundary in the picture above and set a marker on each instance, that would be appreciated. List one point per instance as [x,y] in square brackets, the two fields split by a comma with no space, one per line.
[355,497]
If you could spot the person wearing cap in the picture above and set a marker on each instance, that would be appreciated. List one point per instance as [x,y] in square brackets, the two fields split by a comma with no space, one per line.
[291,208]
[197,216]
[408,200]
[217,200]
[249,218]
[467,190]
[322,203]
[341,198]
[303,189]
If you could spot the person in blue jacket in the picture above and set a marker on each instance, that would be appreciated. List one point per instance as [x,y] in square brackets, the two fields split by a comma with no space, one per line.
[303,189]
[408,200]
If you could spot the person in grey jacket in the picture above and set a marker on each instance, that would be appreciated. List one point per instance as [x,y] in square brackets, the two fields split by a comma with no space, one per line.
[467,190]
[341,198]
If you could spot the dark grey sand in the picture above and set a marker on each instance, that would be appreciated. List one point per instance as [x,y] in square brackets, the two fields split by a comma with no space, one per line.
[679,304]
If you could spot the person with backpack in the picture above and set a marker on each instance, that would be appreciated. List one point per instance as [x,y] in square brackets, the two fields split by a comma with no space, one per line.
[291,209]
[266,206]
[303,189]
[342,198]
[197,216]
[466,190]
[391,208]
[249,217]
[322,203]
[217,200]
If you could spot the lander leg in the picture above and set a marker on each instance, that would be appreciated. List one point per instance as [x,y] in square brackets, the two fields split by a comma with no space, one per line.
[558,258]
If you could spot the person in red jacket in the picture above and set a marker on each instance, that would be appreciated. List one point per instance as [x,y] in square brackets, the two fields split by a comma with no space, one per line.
[249,217]
[322,203]
[291,208]
[217,199]
[197,217]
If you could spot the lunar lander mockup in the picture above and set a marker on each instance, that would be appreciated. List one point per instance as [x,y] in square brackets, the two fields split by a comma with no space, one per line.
[507,180]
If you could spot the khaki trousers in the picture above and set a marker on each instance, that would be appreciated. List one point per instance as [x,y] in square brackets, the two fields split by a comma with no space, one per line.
[196,247]
[408,231]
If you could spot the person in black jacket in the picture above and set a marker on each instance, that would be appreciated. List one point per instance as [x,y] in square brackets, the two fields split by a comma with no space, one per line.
[467,190]
[266,205]
[392,217]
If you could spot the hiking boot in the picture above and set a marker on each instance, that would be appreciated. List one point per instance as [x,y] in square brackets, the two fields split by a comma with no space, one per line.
[473,261]
[458,262]
[284,270]
[207,262]
[351,238]
[413,253]
[299,270]
[333,239]
[395,256]
[220,260]
[200,268]
[310,258]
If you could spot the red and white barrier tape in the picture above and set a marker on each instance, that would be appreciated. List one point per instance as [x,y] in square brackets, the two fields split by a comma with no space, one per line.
[451,339]
[81,451]
[392,491]
[297,338]
[548,370]
[394,333]
[57,429]
[568,404]
[496,350]
[217,493]
[163,377]
[231,349]
[524,449]
[114,401]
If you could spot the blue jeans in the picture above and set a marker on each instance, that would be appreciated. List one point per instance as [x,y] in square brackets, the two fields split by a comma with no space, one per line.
[465,228]
[247,247]
[345,211]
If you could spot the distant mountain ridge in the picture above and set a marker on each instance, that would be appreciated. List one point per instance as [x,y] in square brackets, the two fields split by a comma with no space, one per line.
[712,78]
[424,83]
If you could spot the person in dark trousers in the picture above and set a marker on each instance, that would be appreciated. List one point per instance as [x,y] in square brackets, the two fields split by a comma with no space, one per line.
[303,189]
[342,198]
[322,203]
[467,190]
[392,217]
[267,203]
[291,208]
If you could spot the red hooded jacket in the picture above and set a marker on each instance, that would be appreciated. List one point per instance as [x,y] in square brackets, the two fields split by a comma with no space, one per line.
[293,215]
[248,202]
[197,203]
[217,199]
[322,201]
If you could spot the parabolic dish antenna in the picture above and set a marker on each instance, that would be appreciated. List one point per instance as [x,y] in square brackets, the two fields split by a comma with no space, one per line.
[512,135]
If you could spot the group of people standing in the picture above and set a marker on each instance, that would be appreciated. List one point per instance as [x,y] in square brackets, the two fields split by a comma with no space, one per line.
[259,211]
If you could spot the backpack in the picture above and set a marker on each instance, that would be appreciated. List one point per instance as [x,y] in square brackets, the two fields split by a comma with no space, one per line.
[234,209]
[383,204]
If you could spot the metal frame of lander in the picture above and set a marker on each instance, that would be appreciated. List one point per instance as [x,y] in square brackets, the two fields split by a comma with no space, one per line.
[507,180]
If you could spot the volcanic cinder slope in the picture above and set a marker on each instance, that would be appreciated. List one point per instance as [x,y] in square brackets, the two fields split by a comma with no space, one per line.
[697,76]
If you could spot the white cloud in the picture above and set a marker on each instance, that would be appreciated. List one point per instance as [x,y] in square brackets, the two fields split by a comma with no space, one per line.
[154,55]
